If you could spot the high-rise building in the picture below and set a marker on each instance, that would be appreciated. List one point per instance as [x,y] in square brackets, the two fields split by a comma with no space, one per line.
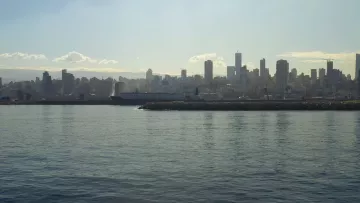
[68,82]
[231,73]
[357,65]
[183,74]
[149,75]
[47,84]
[262,68]
[238,64]
[282,74]
[208,71]
[321,76]
[313,76]
[1,82]
[330,73]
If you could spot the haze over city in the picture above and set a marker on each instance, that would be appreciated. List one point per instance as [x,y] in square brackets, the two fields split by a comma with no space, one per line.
[166,36]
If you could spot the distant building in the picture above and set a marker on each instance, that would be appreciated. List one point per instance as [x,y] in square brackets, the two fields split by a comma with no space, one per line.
[231,74]
[1,84]
[119,87]
[293,75]
[68,82]
[238,64]
[47,84]
[208,71]
[183,74]
[357,65]
[330,73]
[321,76]
[262,68]
[282,74]
[313,76]
[149,75]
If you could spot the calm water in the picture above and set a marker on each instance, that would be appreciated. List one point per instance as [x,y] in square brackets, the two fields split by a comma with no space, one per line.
[120,154]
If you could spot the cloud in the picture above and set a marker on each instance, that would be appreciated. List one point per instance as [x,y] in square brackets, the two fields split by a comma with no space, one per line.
[105,61]
[25,56]
[316,56]
[218,61]
[74,57]
[250,65]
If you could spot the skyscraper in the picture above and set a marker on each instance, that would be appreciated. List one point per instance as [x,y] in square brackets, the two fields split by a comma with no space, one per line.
[68,82]
[231,73]
[282,74]
[208,71]
[330,73]
[1,82]
[183,74]
[149,75]
[357,65]
[262,68]
[238,62]
[313,76]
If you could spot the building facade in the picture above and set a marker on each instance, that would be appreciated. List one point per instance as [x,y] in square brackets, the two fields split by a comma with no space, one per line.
[282,74]
[208,71]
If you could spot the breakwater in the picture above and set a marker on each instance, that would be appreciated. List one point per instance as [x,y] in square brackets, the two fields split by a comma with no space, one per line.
[61,102]
[253,106]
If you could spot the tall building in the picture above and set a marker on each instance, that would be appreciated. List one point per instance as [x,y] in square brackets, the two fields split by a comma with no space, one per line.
[357,65]
[208,70]
[282,74]
[330,73]
[46,84]
[321,76]
[183,74]
[231,73]
[1,82]
[313,76]
[149,75]
[68,82]
[238,62]
[262,68]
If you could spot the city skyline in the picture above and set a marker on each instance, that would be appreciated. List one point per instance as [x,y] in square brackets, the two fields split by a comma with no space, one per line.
[96,36]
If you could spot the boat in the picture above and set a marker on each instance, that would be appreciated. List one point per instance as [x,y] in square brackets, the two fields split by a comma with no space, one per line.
[135,98]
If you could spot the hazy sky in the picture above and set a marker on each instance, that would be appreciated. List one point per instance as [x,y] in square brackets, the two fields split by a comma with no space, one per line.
[134,35]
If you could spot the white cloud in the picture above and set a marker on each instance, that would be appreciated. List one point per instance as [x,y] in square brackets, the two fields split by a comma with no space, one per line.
[74,57]
[105,61]
[20,55]
[250,65]
[317,56]
[218,61]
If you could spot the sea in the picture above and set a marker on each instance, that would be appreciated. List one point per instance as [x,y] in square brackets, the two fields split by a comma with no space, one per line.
[122,154]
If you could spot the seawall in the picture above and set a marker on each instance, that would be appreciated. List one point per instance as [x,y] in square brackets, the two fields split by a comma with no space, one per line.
[252,106]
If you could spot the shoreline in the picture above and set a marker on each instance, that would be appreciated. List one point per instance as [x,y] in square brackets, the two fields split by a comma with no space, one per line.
[254,106]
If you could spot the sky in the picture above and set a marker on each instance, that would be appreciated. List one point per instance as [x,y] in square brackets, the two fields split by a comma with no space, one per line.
[167,36]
